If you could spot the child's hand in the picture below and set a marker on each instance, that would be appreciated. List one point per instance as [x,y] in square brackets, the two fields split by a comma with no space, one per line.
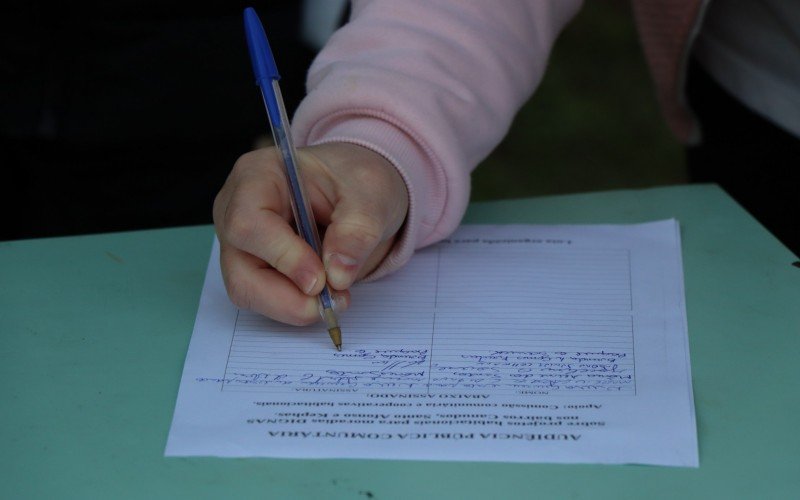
[359,201]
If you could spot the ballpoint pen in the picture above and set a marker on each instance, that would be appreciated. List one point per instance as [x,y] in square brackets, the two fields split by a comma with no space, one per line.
[267,77]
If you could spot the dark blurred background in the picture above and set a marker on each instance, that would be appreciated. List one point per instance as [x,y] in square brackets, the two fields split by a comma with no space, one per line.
[127,115]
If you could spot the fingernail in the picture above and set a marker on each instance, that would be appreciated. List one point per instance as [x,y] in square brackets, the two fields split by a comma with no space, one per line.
[307,280]
[340,269]
[339,303]
[342,259]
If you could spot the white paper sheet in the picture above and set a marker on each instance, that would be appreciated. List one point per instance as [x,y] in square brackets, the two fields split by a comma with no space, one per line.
[509,343]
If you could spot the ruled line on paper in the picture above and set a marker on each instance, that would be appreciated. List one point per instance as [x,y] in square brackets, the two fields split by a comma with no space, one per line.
[523,321]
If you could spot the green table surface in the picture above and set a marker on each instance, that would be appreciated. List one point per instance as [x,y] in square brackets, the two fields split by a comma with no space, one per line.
[95,330]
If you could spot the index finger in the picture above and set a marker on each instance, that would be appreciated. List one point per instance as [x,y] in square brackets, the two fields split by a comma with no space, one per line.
[253,219]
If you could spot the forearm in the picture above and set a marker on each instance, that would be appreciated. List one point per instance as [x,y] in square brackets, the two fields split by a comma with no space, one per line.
[433,86]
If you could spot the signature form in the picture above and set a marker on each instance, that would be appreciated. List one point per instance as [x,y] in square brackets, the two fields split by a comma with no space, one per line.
[514,343]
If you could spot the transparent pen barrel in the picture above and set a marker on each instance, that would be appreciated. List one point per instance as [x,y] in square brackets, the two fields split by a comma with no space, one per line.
[301,208]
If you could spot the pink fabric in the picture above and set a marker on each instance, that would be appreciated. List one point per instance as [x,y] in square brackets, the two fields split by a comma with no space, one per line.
[433,86]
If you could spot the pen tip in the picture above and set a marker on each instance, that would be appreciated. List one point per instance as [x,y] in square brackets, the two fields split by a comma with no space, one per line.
[336,337]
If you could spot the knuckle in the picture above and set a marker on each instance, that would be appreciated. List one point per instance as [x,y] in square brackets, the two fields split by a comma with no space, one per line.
[244,162]
[282,255]
[255,162]
[363,230]
[240,294]
[218,209]
[238,227]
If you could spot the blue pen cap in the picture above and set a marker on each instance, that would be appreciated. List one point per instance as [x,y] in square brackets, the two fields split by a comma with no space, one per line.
[260,54]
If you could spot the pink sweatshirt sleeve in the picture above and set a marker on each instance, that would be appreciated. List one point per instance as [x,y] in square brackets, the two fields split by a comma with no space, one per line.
[433,86]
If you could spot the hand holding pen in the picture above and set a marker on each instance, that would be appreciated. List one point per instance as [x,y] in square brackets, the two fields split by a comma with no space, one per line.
[353,192]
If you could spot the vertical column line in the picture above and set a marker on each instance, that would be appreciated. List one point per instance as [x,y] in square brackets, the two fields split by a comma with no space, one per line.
[230,348]
[433,324]
[632,318]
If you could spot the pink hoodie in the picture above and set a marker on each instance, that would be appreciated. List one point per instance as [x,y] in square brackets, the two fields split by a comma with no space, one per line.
[433,86]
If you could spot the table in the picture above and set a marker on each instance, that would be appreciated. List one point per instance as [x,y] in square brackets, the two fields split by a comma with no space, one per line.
[95,330]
